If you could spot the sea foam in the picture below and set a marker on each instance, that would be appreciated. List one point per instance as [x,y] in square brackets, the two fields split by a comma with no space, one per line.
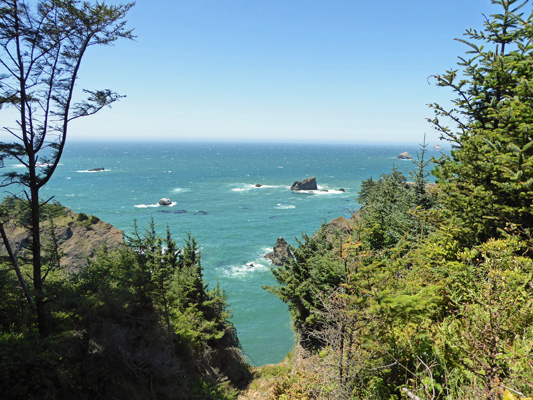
[153,205]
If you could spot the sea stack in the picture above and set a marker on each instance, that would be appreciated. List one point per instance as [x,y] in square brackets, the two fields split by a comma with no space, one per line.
[165,202]
[306,184]
[281,254]
[405,156]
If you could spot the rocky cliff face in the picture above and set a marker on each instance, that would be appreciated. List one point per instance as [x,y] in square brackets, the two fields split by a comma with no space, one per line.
[79,238]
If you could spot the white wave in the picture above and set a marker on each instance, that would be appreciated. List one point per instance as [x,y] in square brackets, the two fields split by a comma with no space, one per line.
[181,190]
[266,250]
[153,205]
[37,165]
[267,186]
[328,191]
[285,206]
[70,195]
[322,190]
[91,172]
[245,270]
[243,187]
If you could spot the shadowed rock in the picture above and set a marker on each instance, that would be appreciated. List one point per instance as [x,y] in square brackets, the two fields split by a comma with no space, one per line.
[306,184]
[281,253]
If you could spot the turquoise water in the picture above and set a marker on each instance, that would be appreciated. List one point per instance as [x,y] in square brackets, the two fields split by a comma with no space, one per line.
[214,196]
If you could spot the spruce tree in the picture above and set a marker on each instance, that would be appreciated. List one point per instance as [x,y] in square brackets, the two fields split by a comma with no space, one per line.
[487,180]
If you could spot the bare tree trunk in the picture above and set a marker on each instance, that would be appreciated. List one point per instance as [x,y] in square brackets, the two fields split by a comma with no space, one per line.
[15,264]
[40,303]
[410,394]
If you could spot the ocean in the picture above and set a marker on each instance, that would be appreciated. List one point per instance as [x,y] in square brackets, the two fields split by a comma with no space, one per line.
[215,194]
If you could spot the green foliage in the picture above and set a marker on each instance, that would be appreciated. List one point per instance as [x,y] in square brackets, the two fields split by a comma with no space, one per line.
[129,326]
[315,269]
[385,204]
[13,208]
[487,180]
[436,302]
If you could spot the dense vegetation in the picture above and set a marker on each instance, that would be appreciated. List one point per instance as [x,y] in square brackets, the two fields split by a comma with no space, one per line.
[426,293]
[429,296]
[139,322]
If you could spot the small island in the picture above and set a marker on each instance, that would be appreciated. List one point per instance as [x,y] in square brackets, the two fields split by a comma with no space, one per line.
[404,156]
[165,202]
[306,184]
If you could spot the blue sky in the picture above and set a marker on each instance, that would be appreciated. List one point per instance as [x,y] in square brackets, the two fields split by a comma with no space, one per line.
[293,70]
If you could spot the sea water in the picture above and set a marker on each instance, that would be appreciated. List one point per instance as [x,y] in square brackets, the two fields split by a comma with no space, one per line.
[234,199]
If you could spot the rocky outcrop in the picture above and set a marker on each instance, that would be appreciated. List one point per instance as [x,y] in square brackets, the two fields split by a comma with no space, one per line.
[281,253]
[306,184]
[165,202]
[96,169]
[79,237]
[404,156]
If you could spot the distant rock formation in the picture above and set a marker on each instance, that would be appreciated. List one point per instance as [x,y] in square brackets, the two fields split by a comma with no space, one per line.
[306,184]
[281,254]
[258,185]
[96,169]
[342,190]
[404,156]
[165,202]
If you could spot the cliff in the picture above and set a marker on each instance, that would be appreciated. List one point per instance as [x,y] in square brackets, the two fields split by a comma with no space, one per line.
[79,237]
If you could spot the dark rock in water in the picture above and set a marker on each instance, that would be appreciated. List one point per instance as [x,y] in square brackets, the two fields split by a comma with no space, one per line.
[306,184]
[258,185]
[173,211]
[251,264]
[165,202]
[404,156]
[200,213]
[281,254]
[96,169]
[342,190]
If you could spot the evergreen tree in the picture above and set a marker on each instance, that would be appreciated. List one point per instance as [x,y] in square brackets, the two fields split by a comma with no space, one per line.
[41,49]
[487,181]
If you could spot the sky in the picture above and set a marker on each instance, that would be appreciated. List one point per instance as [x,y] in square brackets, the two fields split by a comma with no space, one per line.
[348,71]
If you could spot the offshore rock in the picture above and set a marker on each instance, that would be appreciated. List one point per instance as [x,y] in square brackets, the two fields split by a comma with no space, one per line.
[281,255]
[404,156]
[306,184]
[165,202]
